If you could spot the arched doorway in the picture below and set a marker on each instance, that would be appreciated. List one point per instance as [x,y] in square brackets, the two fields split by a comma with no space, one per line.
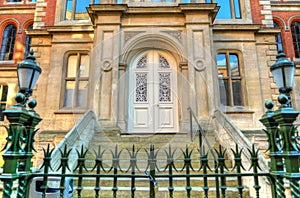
[153,101]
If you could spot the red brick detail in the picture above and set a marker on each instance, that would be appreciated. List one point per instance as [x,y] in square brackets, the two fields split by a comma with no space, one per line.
[287,39]
[21,21]
[256,8]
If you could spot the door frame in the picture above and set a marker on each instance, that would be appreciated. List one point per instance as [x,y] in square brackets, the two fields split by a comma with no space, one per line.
[174,91]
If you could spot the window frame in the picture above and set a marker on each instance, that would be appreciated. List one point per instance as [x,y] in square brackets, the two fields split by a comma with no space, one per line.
[75,79]
[230,79]
[27,43]
[297,41]
[73,11]
[14,1]
[278,37]
[3,102]
[12,43]
[232,8]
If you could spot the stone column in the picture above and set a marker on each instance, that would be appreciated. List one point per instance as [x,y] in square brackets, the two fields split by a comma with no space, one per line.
[184,100]
[122,97]
[107,21]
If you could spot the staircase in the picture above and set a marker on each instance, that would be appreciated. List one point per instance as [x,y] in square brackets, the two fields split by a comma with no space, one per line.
[109,138]
[259,138]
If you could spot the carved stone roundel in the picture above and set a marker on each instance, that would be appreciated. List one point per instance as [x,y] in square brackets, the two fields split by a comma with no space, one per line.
[106,65]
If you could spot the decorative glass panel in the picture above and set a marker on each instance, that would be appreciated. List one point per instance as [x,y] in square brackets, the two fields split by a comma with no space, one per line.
[142,63]
[163,63]
[141,87]
[164,87]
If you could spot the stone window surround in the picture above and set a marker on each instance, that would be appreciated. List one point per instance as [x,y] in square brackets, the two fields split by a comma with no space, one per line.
[244,5]
[298,39]
[62,108]
[7,40]
[243,85]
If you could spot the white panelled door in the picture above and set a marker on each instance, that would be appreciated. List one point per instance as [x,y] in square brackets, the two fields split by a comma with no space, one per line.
[153,93]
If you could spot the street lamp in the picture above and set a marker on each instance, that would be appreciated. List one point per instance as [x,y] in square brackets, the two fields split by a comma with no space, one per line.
[282,133]
[283,71]
[28,73]
[21,130]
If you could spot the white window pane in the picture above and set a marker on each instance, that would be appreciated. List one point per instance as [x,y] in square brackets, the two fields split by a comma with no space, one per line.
[72,64]
[69,93]
[234,65]
[225,10]
[80,11]
[84,66]
[221,64]
[82,94]
[68,14]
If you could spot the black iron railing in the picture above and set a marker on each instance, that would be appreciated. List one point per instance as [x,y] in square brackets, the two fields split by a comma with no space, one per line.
[161,165]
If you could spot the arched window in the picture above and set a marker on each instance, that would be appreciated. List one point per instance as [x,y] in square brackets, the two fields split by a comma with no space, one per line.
[278,38]
[8,43]
[76,80]
[295,28]
[230,79]
[27,42]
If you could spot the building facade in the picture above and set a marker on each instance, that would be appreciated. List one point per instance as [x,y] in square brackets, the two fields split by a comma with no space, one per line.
[140,65]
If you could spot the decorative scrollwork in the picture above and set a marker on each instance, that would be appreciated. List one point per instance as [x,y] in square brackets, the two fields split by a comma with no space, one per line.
[163,63]
[142,63]
[164,87]
[141,88]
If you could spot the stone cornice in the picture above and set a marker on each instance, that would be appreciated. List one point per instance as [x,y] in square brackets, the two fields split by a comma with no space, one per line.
[236,27]
[37,32]
[74,28]
[119,9]
[285,6]
[26,9]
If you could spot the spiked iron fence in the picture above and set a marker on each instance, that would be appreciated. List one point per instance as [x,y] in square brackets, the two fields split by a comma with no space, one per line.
[167,164]
[154,169]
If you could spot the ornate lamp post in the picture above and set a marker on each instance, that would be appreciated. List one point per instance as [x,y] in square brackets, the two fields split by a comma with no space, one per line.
[21,130]
[283,71]
[284,150]
[28,74]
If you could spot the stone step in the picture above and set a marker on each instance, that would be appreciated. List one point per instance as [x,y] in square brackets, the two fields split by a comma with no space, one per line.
[162,182]
[258,137]
[162,192]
